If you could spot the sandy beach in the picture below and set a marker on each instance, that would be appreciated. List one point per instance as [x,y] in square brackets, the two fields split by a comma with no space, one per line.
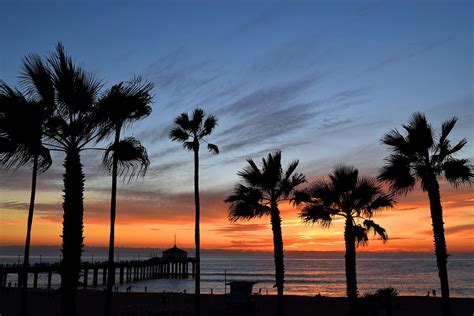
[90,303]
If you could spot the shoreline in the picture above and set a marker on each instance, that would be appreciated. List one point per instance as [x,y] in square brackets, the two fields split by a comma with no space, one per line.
[90,303]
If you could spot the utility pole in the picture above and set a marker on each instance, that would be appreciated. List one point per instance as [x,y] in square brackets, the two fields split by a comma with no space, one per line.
[225,281]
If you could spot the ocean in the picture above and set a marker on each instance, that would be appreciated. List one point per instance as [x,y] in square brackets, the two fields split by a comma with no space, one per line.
[306,273]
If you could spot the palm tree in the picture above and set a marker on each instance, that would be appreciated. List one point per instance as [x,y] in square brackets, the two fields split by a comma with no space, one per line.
[386,295]
[122,105]
[21,146]
[353,198]
[71,93]
[191,132]
[259,194]
[419,156]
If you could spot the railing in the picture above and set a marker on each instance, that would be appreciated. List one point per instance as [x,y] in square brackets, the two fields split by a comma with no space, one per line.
[129,271]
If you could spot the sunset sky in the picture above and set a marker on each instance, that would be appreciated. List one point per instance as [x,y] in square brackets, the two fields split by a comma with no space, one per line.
[320,80]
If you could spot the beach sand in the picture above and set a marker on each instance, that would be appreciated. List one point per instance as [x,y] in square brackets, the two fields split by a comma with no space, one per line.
[90,303]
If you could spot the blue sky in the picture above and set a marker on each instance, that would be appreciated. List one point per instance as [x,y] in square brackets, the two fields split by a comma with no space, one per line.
[320,80]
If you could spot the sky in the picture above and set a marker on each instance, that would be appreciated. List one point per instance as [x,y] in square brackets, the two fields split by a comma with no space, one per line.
[320,80]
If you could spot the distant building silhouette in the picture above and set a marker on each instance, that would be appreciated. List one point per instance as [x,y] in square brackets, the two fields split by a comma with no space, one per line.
[175,254]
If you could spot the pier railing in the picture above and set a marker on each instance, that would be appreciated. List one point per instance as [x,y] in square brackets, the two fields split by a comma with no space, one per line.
[128,271]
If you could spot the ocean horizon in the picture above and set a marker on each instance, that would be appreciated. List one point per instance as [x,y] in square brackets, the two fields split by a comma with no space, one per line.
[306,273]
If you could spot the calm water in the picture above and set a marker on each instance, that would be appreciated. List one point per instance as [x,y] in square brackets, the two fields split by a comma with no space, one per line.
[306,273]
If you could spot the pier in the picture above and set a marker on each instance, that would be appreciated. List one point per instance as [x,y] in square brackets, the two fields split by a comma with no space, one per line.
[173,264]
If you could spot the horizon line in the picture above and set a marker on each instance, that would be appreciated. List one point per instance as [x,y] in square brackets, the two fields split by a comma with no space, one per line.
[245,250]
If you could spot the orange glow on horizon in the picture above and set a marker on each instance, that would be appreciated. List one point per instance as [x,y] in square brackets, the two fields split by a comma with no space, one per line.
[408,226]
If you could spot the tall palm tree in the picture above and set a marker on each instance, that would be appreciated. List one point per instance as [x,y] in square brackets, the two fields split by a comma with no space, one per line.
[191,132]
[419,156]
[259,194]
[122,105]
[21,146]
[72,125]
[353,198]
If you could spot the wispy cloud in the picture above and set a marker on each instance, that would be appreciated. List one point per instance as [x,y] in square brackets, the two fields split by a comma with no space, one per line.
[460,228]
[410,52]
[179,73]
[236,228]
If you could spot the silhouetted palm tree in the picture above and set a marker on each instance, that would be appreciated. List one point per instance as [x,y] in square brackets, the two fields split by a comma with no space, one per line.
[71,93]
[191,132]
[122,105]
[21,143]
[386,295]
[353,198]
[259,194]
[420,156]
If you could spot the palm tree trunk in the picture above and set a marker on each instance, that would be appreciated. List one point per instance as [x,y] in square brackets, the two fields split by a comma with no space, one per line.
[197,238]
[113,201]
[26,258]
[72,236]
[350,262]
[279,263]
[441,250]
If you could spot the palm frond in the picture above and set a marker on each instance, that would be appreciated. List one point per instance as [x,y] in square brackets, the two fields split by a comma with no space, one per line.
[290,181]
[458,171]
[386,292]
[291,168]
[420,133]
[190,146]
[366,190]
[87,88]
[209,124]
[123,104]
[213,148]
[178,134]
[58,130]
[300,197]
[397,172]
[378,230]
[315,213]
[344,178]
[196,121]
[13,155]
[63,72]
[75,89]
[446,128]
[398,144]
[44,159]
[369,197]
[36,78]
[296,180]
[287,186]
[244,211]
[183,122]
[251,174]
[246,203]
[75,100]
[21,131]
[381,202]
[444,150]
[324,192]
[132,158]
[360,234]
[457,147]
[272,171]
